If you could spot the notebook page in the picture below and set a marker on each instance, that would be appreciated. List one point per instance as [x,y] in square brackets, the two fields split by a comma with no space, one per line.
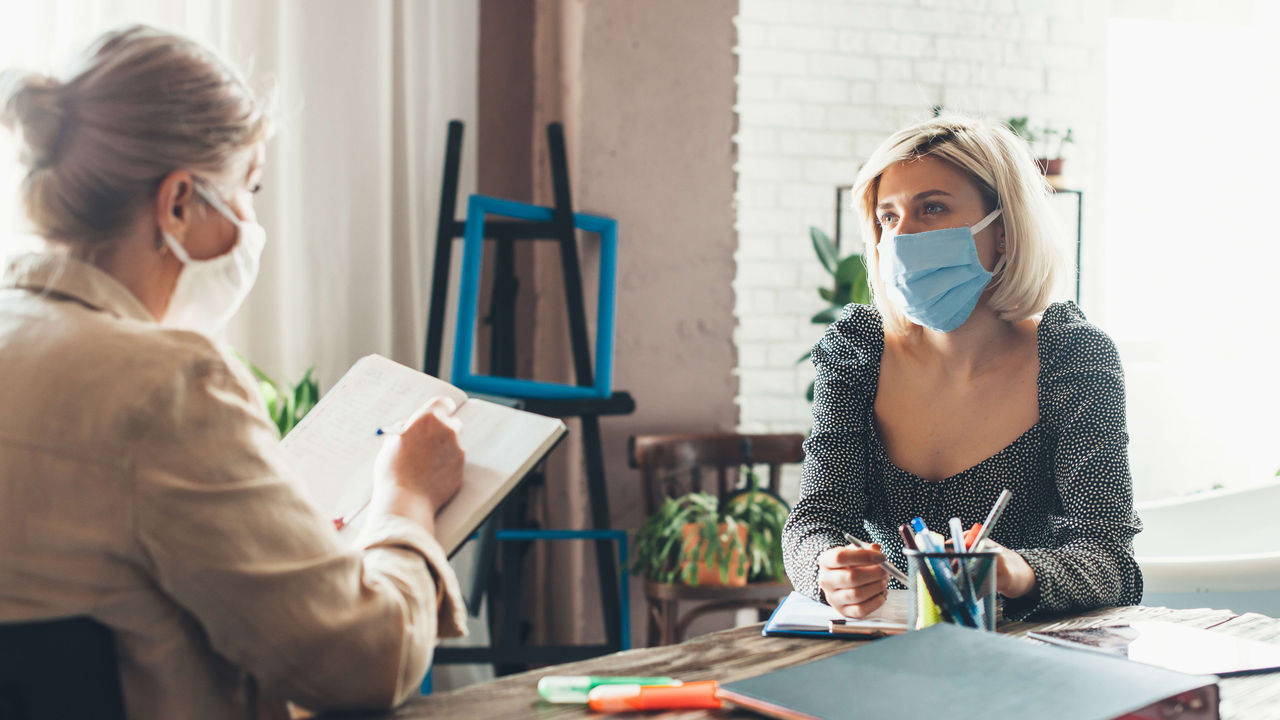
[334,448]
[502,445]
[800,613]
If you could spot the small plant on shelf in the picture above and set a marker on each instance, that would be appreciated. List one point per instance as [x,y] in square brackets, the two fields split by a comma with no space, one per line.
[1046,142]
[696,540]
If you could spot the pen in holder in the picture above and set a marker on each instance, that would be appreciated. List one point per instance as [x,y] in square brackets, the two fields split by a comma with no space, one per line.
[952,587]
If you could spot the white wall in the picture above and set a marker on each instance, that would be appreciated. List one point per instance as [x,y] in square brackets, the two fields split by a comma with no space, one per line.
[821,83]
[1188,278]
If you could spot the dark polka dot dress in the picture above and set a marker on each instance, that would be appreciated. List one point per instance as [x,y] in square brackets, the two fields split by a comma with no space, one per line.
[1071,515]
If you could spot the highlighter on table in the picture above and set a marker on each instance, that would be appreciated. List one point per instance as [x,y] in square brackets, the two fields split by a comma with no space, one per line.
[575,688]
[625,698]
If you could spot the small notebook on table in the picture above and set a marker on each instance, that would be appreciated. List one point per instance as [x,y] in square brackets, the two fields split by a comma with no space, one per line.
[334,447]
[797,615]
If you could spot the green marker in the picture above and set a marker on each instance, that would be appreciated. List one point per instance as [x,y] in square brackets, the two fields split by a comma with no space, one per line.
[574,688]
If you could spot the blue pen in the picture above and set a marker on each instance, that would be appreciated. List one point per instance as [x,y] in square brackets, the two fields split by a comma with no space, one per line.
[942,573]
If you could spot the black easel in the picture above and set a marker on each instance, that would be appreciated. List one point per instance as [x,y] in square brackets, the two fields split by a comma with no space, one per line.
[509,653]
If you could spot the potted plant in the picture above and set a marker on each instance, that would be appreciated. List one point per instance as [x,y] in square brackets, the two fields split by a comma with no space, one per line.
[286,405]
[1046,143]
[848,284]
[696,540]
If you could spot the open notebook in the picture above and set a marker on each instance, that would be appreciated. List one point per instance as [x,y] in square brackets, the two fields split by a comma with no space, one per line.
[798,615]
[335,446]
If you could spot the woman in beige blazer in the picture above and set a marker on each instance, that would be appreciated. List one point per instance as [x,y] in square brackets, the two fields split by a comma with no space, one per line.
[140,483]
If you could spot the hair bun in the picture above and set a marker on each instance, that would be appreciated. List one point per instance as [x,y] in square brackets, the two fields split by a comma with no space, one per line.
[31,107]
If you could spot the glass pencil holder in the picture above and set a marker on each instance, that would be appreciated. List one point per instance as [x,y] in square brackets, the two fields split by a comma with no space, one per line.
[951,587]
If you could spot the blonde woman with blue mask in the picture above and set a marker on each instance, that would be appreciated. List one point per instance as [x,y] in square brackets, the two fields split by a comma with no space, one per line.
[140,474]
[962,380]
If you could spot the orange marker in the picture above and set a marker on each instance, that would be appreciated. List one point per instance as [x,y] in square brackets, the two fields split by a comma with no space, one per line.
[972,534]
[623,698]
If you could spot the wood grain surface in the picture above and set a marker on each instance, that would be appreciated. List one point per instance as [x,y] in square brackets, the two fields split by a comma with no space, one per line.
[742,652]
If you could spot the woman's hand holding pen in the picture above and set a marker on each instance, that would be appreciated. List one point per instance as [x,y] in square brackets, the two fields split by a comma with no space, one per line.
[419,468]
[1014,577]
[852,580]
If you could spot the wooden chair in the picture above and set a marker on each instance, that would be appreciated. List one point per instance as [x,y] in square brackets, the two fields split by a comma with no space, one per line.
[671,465]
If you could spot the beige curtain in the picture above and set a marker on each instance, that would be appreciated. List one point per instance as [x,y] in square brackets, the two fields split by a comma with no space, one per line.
[364,93]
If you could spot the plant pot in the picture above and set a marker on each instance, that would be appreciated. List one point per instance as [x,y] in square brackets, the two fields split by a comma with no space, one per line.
[1050,166]
[709,573]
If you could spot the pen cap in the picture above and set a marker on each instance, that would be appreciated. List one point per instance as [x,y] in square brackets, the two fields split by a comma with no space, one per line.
[624,698]
[564,688]
[971,535]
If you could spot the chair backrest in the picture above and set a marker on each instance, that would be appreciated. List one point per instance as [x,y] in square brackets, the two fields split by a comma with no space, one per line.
[57,669]
[674,464]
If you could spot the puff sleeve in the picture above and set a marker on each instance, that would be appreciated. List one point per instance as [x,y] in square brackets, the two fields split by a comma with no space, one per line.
[1089,560]
[833,485]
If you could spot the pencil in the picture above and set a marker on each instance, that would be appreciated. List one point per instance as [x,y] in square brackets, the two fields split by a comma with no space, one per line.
[893,571]
[992,518]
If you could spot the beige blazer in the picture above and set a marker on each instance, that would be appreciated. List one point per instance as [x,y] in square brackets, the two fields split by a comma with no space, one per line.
[141,485]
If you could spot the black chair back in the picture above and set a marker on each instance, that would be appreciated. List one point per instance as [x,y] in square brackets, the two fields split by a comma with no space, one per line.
[55,669]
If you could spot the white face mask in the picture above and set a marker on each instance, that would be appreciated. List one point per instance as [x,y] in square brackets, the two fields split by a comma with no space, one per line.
[209,292]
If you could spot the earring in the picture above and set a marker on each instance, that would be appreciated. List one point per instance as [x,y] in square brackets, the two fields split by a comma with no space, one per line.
[1001,244]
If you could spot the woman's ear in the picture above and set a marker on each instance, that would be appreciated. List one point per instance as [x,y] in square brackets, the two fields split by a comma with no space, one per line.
[173,203]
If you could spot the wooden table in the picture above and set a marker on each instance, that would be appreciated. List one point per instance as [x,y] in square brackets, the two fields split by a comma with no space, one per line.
[742,653]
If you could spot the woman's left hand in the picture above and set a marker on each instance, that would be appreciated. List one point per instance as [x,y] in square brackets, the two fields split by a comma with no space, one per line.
[1014,577]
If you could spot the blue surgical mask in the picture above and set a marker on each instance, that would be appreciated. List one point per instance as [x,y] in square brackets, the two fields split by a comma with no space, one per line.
[935,277]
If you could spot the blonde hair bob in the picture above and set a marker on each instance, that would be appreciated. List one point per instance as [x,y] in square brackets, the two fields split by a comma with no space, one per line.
[1000,164]
[96,146]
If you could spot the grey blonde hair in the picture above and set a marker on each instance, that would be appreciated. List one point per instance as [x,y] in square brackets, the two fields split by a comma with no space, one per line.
[144,103]
[1000,164]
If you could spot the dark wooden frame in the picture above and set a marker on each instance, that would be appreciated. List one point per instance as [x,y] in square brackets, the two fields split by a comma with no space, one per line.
[561,229]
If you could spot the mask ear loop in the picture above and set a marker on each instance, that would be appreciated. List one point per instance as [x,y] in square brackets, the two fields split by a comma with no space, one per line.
[217,204]
[982,225]
[984,222]
[176,247]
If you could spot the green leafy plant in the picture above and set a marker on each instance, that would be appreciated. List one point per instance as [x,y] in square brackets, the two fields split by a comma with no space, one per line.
[1046,141]
[666,552]
[286,404]
[764,515]
[848,284]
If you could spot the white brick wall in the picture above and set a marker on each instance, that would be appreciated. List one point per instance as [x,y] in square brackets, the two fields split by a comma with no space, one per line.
[821,84]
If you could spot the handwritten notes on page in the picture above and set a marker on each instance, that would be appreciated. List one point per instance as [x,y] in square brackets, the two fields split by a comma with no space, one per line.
[335,446]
